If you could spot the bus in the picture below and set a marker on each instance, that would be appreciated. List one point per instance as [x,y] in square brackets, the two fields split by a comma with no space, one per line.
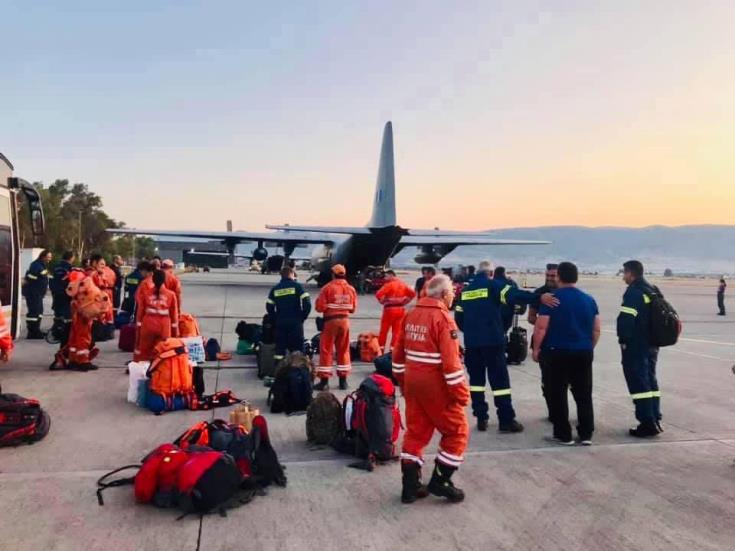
[12,191]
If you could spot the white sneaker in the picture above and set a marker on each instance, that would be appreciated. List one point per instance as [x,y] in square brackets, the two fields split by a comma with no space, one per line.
[586,442]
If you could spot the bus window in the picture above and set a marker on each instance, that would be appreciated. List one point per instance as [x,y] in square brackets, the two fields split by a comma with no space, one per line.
[6,252]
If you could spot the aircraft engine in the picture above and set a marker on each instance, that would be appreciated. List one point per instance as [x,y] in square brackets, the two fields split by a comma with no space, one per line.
[260,254]
[432,254]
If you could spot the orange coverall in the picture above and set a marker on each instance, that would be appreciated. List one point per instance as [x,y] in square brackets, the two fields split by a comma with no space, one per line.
[337,300]
[394,296]
[157,318]
[105,280]
[173,284]
[80,338]
[427,365]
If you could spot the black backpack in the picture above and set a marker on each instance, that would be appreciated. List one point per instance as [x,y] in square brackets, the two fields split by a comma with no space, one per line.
[664,322]
[292,389]
[22,421]
[251,332]
[211,349]
[517,347]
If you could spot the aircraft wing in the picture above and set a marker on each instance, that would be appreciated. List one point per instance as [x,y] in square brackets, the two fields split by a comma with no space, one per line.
[236,236]
[346,230]
[462,239]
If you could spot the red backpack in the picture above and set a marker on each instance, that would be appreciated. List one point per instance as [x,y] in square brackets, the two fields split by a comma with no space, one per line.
[372,417]
[22,421]
[197,479]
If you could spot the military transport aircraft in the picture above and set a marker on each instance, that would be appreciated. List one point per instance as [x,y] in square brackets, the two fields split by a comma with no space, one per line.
[354,247]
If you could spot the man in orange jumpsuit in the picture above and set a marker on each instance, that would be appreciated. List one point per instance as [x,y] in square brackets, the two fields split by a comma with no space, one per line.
[428,367]
[336,301]
[173,283]
[156,316]
[104,278]
[394,296]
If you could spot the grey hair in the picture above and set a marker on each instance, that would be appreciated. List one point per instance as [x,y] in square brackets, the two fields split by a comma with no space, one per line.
[437,285]
[485,266]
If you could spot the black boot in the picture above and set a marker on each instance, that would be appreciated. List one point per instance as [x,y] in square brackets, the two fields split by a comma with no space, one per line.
[323,384]
[343,383]
[644,430]
[34,330]
[412,487]
[441,484]
[482,425]
[513,426]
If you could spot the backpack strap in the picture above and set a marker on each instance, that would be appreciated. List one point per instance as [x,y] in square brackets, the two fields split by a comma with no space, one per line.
[102,484]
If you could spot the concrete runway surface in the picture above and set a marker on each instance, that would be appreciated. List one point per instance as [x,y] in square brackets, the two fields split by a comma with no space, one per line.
[677,492]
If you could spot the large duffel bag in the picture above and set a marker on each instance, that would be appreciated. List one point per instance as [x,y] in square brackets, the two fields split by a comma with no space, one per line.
[266,361]
[517,348]
[126,339]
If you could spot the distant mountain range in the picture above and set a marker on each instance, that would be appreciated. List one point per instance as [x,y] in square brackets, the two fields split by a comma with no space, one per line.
[683,249]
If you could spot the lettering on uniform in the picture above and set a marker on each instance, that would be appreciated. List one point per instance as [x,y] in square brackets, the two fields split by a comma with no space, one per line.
[475,294]
[284,292]
[416,333]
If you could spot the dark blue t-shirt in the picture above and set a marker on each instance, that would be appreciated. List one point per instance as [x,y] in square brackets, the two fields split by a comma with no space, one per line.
[572,322]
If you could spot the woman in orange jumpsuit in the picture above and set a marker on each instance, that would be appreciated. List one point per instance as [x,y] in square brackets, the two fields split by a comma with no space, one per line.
[394,296]
[428,367]
[157,317]
[104,278]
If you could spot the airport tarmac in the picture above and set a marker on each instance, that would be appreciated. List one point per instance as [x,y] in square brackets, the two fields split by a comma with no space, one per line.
[675,492]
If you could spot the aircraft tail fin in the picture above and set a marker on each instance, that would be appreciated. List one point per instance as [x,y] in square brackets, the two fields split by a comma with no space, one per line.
[384,205]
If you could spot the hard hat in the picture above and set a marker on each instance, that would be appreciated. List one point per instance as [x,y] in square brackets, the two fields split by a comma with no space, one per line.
[339,270]
[168,263]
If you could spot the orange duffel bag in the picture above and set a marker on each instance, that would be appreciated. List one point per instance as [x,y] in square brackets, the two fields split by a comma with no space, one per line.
[368,346]
[188,326]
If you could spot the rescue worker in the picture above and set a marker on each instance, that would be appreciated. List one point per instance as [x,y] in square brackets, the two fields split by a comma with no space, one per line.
[173,283]
[6,339]
[478,315]
[61,303]
[427,272]
[134,279]
[35,286]
[336,301]
[551,284]
[394,295]
[156,316]
[721,297]
[428,368]
[639,357]
[104,278]
[117,263]
[156,262]
[289,306]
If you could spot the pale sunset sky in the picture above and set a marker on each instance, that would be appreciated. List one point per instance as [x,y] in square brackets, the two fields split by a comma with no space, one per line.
[185,114]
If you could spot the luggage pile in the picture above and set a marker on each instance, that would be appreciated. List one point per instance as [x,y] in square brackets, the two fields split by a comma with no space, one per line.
[213,466]
[366,424]
[291,391]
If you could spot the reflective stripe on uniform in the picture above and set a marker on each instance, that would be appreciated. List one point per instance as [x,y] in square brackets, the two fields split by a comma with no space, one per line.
[646,299]
[656,394]
[641,395]
[284,292]
[157,311]
[344,367]
[409,457]
[397,369]
[413,358]
[627,310]
[502,392]
[475,294]
[269,301]
[504,293]
[458,308]
[31,276]
[277,357]
[304,295]
[340,306]
[477,388]
[324,369]
[425,354]
[448,459]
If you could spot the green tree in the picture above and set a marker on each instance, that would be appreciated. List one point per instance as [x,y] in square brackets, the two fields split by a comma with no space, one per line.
[76,221]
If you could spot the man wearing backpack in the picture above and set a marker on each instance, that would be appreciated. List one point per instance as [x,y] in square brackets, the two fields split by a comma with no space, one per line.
[289,305]
[639,355]
[337,300]
[428,368]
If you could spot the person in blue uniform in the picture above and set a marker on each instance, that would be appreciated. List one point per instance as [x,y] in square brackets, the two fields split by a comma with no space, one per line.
[478,316]
[288,305]
[35,286]
[61,303]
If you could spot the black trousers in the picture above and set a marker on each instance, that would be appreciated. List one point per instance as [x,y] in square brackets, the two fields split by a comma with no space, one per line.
[570,369]
[721,302]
